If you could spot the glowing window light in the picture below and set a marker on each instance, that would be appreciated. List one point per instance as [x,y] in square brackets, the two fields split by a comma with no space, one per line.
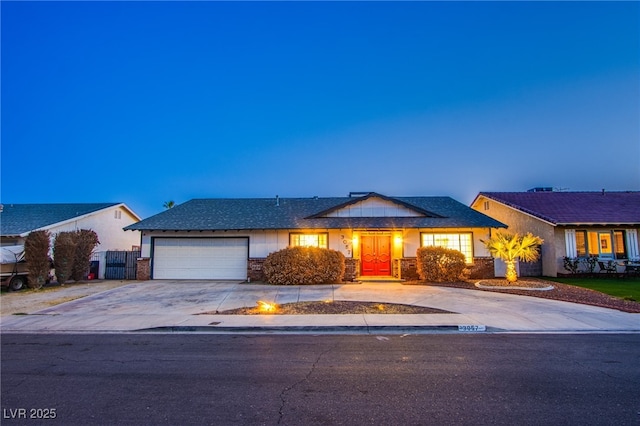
[309,240]
[461,242]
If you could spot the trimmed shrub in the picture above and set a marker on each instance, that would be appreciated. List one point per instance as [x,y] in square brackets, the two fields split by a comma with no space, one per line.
[304,265]
[85,240]
[36,252]
[64,251]
[439,264]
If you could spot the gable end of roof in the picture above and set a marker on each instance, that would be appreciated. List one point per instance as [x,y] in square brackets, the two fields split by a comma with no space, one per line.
[322,214]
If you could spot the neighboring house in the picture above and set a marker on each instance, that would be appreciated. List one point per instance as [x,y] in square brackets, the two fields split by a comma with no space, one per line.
[107,220]
[379,235]
[572,224]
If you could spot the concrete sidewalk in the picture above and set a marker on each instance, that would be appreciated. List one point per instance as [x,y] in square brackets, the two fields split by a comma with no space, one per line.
[180,306]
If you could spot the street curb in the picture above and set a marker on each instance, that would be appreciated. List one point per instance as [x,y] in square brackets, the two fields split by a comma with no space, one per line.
[316,329]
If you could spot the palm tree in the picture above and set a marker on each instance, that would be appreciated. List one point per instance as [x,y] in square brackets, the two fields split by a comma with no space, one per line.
[169,204]
[511,248]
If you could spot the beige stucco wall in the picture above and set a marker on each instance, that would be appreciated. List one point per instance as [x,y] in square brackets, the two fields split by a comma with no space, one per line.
[522,223]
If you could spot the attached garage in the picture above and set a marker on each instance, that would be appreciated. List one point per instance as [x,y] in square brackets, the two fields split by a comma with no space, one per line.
[200,258]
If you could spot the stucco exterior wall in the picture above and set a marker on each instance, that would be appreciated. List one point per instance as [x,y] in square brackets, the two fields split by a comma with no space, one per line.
[261,243]
[522,223]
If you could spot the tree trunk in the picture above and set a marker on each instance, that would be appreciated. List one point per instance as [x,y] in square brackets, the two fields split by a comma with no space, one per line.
[512,275]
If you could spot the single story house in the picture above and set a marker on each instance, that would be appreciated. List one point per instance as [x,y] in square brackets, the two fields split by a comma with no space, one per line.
[378,235]
[573,224]
[107,220]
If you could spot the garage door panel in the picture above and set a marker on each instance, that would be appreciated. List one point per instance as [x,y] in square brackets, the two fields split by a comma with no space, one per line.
[200,258]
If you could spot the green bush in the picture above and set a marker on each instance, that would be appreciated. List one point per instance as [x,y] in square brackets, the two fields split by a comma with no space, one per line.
[304,265]
[439,264]
[36,252]
[86,241]
[64,251]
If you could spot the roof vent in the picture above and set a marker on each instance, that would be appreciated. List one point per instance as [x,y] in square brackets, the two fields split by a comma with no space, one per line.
[541,189]
[277,200]
[1,208]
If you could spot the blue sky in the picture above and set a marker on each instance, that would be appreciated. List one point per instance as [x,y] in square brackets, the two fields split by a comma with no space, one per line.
[144,102]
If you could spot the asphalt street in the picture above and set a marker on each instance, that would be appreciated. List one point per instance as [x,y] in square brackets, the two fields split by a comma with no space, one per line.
[137,378]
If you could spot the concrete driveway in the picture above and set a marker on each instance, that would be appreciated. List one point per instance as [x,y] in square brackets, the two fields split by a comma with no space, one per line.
[180,306]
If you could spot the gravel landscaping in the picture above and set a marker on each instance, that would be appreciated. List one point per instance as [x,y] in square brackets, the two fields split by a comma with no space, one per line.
[335,307]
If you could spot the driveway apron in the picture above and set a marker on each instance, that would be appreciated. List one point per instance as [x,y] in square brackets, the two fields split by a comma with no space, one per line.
[200,305]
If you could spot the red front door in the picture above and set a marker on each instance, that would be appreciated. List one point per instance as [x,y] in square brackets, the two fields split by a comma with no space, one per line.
[376,255]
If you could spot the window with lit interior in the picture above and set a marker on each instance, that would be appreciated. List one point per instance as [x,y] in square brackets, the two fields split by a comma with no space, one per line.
[460,242]
[308,240]
[602,244]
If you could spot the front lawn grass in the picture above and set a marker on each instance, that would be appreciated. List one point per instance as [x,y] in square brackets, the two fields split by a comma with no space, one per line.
[624,288]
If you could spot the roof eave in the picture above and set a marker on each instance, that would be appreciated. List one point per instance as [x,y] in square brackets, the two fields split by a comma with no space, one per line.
[356,200]
[511,206]
[597,224]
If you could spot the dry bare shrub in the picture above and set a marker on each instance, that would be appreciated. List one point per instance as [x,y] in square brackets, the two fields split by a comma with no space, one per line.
[86,240]
[64,251]
[304,265]
[36,252]
[439,264]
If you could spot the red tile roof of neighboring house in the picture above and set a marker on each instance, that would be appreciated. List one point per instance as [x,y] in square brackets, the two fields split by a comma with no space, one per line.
[566,208]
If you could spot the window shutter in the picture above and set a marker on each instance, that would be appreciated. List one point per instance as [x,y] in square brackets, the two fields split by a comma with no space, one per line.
[632,244]
[570,241]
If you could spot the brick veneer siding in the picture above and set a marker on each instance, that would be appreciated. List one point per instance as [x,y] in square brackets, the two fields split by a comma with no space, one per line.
[409,269]
[482,268]
[144,269]
[350,269]
[254,269]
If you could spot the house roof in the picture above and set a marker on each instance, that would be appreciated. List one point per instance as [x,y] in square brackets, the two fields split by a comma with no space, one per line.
[20,219]
[303,213]
[574,208]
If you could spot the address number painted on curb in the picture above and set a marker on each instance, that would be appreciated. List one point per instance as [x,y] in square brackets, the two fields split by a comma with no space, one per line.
[472,328]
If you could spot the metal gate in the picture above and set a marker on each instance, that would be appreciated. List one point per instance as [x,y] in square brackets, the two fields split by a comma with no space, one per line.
[121,265]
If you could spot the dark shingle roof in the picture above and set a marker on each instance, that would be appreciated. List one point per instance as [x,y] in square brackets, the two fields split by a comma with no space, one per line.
[569,208]
[17,219]
[296,213]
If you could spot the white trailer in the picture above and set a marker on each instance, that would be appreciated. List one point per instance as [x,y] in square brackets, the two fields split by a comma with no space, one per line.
[13,267]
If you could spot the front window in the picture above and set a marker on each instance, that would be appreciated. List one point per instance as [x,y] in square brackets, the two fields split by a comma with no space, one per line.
[581,243]
[619,245]
[308,240]
[460,242]
[603,244]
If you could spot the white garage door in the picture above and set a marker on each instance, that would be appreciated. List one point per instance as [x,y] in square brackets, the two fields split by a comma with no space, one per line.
[200,258]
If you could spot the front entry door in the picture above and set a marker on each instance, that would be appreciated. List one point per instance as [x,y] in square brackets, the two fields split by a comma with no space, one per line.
[376,255]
